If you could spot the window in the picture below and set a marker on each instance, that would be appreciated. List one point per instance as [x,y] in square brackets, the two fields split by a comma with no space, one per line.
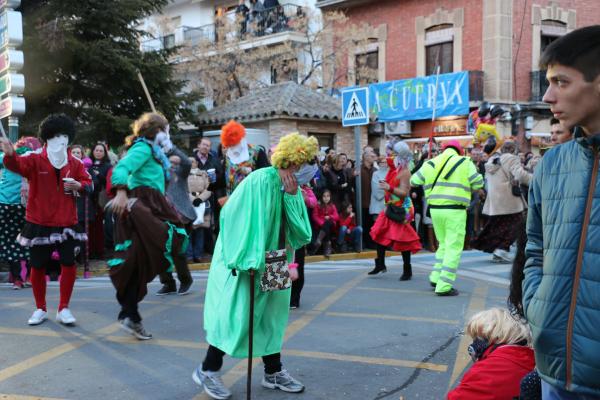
[326,140]
[168,41]
[551,30]
[367,68]
[284,71]
[439,49]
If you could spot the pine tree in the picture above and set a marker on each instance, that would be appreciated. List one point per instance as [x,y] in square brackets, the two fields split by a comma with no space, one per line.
[82,58]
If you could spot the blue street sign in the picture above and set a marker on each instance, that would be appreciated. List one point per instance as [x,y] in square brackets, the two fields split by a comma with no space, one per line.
[355,106]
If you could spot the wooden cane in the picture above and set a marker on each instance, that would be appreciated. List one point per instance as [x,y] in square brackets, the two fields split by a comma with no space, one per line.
[250,337]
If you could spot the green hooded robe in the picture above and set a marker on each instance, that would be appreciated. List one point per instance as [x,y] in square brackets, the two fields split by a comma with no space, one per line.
[250,223]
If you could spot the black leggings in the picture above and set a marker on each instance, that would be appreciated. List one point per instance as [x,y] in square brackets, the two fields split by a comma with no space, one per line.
[381,254]
[328,229]
[298,284]
[214,361]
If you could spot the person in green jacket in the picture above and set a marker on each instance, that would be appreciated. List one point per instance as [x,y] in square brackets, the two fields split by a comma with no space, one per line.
[448,181]
[149,235]
[250,226]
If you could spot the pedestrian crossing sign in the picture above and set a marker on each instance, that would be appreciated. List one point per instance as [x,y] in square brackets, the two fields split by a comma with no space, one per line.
[355,106]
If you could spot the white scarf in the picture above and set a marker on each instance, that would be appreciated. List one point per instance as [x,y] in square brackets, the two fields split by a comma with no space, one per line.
[57,150]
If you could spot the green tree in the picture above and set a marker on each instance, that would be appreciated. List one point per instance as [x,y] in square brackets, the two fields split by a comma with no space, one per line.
[82,58]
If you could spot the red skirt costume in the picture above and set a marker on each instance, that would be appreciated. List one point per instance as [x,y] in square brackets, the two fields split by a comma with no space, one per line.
[398,236]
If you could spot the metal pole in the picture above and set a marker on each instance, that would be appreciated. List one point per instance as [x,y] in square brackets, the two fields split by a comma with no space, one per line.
[13,128]
[437,77]
[357,147]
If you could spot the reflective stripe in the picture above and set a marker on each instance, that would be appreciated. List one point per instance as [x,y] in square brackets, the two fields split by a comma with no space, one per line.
[427,187]
[454,185]
[449,269]
[447,279]
[475,175]
[420,176]
[448,197]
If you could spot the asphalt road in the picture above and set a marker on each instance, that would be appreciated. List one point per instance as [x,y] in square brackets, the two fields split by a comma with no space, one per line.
[353,337]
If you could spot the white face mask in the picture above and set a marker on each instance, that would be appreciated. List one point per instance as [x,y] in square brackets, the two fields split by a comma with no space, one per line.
[239,153]
[57,150]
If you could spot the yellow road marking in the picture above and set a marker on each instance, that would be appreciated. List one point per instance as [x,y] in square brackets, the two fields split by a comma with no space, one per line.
[476,304]
[157,342]
[411,291]
[39,359]
[368,360]
[392,317]
[46,356]
[19,397]
[239,370]
[30,332]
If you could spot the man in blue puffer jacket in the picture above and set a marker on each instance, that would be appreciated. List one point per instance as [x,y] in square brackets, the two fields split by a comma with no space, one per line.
[561,290]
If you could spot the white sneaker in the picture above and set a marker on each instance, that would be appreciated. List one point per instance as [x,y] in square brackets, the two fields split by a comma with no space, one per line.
[505,255]
[65,317]
[38,317]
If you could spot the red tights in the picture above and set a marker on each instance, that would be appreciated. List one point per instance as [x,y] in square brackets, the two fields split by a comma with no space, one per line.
[38,284]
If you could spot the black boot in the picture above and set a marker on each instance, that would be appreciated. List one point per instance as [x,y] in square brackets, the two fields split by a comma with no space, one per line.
[406,273]
[379,267]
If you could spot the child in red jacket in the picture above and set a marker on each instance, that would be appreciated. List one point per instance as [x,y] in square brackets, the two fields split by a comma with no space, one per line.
[325,218]
[502,355]
[349,229]
[55,178]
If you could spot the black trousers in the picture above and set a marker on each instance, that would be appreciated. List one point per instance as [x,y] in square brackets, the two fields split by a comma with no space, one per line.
[328,229]
[214,361]
[129,303]
[367,224]
[298,284]
[183,272]
[181,266]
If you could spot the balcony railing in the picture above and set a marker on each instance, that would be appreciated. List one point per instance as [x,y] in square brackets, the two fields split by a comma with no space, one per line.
[235,26]
[539,85]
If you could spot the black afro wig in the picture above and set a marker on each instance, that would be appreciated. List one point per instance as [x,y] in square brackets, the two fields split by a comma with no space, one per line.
[57,124]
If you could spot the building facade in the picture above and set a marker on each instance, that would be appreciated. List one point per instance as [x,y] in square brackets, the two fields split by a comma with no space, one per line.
[503,39]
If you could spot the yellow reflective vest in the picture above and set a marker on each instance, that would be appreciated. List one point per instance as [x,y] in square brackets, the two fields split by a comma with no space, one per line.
[456,181]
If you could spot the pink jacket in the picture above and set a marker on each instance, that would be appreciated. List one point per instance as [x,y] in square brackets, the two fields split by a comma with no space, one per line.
[320,212]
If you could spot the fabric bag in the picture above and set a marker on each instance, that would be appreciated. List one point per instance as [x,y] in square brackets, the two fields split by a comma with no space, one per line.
[515,187]
[277,274]
[395,213]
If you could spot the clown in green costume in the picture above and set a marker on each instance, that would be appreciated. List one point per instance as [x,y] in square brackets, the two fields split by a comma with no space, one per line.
[250,226]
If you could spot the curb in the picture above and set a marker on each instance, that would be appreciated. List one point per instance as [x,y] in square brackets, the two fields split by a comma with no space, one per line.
[370,254]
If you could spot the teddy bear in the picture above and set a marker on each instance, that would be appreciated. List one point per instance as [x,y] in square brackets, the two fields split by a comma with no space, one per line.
[199,194]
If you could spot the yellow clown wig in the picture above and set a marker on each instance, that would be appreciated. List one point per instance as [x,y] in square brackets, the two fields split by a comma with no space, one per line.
[294,149]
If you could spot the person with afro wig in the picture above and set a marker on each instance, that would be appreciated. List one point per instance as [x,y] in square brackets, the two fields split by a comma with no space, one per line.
[240,157]
[265,213]
[55,179]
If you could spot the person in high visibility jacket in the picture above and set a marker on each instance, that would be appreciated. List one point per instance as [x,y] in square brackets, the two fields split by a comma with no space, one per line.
[448,181]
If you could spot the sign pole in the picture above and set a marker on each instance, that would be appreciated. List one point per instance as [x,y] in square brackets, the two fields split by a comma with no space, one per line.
[357,147]
[13,129]
[437,77]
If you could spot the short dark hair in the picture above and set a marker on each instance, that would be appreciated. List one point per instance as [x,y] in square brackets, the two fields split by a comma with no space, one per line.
[57,124]
[579,49]
[554,121]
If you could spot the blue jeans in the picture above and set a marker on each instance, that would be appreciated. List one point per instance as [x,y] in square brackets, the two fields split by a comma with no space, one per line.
[196,246]
[355,236]
[550,392]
